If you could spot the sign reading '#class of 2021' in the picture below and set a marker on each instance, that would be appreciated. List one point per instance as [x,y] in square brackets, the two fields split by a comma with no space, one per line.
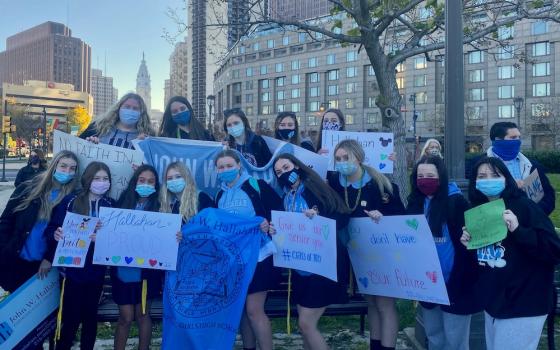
[397,258]
[377,146]
[136,238]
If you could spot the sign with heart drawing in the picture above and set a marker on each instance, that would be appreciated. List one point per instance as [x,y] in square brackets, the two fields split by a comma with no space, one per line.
[396,257]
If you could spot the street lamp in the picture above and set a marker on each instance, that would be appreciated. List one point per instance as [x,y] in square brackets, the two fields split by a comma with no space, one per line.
[45,149]
[210,99]
[412,99]
[518,104]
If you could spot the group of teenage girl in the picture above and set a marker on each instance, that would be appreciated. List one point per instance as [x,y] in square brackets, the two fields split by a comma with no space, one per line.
[511,281]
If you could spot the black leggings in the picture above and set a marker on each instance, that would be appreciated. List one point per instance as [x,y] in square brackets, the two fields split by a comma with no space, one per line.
[79,306]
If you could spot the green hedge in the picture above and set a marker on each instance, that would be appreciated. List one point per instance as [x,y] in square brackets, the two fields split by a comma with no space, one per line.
[550,160]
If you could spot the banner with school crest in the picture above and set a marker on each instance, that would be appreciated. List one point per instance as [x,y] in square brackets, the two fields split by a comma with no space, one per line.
[203,299]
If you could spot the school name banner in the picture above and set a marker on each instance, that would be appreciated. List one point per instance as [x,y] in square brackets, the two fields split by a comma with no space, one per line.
[377,146]
[397,258]
[137,238]
[204,298]
[198,157]
[118,159]
[28,316]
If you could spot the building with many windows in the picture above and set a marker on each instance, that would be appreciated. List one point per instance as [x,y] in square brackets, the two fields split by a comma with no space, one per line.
[103,92]
[273,70]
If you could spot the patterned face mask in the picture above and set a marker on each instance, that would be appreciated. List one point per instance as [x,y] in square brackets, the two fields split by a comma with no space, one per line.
[327,125]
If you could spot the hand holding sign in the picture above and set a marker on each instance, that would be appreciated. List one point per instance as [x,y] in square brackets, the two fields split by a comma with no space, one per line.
[533,187]
[485,224]
[74,242]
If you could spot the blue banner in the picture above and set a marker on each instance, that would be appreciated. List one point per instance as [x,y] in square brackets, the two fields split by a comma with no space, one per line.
[203,300]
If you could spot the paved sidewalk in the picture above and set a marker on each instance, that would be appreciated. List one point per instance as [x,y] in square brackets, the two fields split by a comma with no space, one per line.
[6,189]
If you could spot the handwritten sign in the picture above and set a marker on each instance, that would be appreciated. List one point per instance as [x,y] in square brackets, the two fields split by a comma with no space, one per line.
[396,258]
[485,224]
[136,238]
[72,250]
[533,187]
[378,146]
[28,316]
[305,244]
[119,160]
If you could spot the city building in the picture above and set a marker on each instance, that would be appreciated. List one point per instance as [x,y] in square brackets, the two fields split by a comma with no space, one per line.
[298,9]
[238,20]
[178,70]
[143,83]
[166,91]
[46,52]
[206,45]
[272,70]
[103,92]
[56,98]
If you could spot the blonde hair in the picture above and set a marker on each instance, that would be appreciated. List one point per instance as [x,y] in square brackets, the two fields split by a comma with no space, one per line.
[41,186]
[427,144]
[111,117]
[356,152]
[188,198]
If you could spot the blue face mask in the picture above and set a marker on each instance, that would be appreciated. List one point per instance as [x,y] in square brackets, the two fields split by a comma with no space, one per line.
[228,175]
[145,190]
[129,116]
[236,130]
[176,185]
[182,118]
[506,149]
[346,168]
[491,187]
[63,178]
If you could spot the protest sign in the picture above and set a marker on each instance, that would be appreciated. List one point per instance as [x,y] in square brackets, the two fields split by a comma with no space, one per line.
[198,157]
[485,224]
[397,258]
[72,249]
[377,146]
[28,316]
[136,238]
[119,160]
[204,299]
[305,244]
[533,187]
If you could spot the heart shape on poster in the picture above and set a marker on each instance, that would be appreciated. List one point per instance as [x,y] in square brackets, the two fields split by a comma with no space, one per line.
[61,260]
[81,243]
[152,262]
[412,223]
[116,259]
[432,276]
[140,261]
[383,156]
[68,260]
[128,259]
[364,281]
[382,166]
[77,260]
[107,258]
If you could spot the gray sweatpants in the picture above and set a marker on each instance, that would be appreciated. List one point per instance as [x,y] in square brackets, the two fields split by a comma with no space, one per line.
[446,331]
[522,333]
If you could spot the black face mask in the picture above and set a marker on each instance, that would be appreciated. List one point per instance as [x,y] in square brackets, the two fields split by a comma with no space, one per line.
[34,160]
[288,178]
[286,134]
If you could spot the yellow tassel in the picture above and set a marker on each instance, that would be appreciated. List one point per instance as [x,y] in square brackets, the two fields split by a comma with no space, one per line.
[59,316]
[144,295]
[351,283]
[288,326]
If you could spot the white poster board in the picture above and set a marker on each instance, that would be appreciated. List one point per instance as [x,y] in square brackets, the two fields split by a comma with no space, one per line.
[378,146]
[118,159]
[72,249]
[136,238]
[396,258]
[311,159]
[305,244]
[533,187]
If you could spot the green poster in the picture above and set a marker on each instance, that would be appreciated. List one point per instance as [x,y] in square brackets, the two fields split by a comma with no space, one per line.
[485,224]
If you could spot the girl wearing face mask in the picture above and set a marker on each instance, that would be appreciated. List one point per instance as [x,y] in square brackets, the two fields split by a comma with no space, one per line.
[129,282]
[447,327]
[333,119]
[180,122]
[127,120]
[286,128]
[23,245]
[82,287]
[432,147]
[305,192]
[241,138]
[516,283]
[245,196]
[366,192]
[35,165]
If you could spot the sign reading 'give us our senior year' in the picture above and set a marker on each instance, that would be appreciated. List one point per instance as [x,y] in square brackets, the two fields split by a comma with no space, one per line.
[136,238]
[397,258]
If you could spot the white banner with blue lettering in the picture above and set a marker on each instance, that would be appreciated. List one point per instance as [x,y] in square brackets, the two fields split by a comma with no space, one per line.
[198,156]
[203,300]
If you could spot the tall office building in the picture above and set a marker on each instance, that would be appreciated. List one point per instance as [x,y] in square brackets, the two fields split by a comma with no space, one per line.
[298,9]
[46,52]
[166,91]
[143,83]
[178,70]
[103,92]
[238,20]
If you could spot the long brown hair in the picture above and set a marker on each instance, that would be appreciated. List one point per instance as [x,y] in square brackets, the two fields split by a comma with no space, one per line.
[296,140]
[168,127]
[81,202]
[316,185]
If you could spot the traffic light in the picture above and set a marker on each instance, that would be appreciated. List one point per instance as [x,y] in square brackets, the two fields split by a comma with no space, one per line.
[6,124]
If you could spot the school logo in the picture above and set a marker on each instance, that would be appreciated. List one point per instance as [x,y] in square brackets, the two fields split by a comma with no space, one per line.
[210,272]
[492,255]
